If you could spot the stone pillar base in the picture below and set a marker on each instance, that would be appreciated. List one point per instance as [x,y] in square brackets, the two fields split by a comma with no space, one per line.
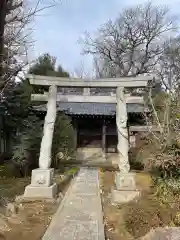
[42,186]
[41,192]
[124,196]
[126,189]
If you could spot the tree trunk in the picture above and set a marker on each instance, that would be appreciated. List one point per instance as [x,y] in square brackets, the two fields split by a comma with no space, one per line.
[3,7]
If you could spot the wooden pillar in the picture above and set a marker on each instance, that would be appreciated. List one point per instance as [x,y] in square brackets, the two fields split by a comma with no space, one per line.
[104,136]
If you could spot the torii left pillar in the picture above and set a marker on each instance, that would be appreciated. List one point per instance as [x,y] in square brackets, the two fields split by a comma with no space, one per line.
[42,186]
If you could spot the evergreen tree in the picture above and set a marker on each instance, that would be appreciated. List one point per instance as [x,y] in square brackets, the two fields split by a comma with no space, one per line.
[46,66]
[26,123]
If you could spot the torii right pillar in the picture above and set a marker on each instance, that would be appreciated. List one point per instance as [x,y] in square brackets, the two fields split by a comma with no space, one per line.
[125,190]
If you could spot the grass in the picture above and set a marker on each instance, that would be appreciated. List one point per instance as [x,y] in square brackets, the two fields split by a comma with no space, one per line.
[145,214]
[144,181]
[32,218]
[72,171]
[135,219]
[11,187]
[113,215]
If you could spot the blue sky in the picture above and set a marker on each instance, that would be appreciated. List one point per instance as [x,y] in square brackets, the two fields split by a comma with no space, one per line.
[58,29]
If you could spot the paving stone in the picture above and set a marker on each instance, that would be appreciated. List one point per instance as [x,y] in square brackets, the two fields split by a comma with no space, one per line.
[80,209]
[72,230]
[79,217]
[82,189]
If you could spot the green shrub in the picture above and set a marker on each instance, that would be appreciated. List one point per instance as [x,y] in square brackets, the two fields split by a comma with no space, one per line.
[63,139]
[176,219]
[135,162]
[72,171]
[174,185]
[9,169]
[166,190]
[144,214]
[27,147]
[142,157]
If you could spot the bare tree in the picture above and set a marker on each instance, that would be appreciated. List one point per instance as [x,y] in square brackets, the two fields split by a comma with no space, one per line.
[165,105]
[165,109]
[103,68]
[133,43]
[79,71]
[15,31]
[168,67]
[82,71]
[143,40]
[138,42]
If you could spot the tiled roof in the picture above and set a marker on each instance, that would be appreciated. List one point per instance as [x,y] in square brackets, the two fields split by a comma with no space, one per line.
[93,108]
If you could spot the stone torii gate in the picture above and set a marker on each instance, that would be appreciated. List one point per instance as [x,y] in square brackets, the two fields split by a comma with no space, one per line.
[42,185]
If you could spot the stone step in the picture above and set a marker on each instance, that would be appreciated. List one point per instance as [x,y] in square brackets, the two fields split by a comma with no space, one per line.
[89,154]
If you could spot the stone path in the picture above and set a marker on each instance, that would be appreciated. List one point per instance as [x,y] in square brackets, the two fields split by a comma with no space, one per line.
[79,217]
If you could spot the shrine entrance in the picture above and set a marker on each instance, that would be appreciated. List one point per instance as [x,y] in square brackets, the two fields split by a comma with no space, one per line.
[89,132]
[96,136]
[98,110]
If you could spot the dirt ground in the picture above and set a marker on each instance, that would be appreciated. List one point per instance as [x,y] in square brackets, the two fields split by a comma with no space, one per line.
[113,215]
[30,220]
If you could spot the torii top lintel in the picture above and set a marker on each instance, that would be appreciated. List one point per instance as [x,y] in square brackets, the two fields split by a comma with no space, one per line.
[138,81]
